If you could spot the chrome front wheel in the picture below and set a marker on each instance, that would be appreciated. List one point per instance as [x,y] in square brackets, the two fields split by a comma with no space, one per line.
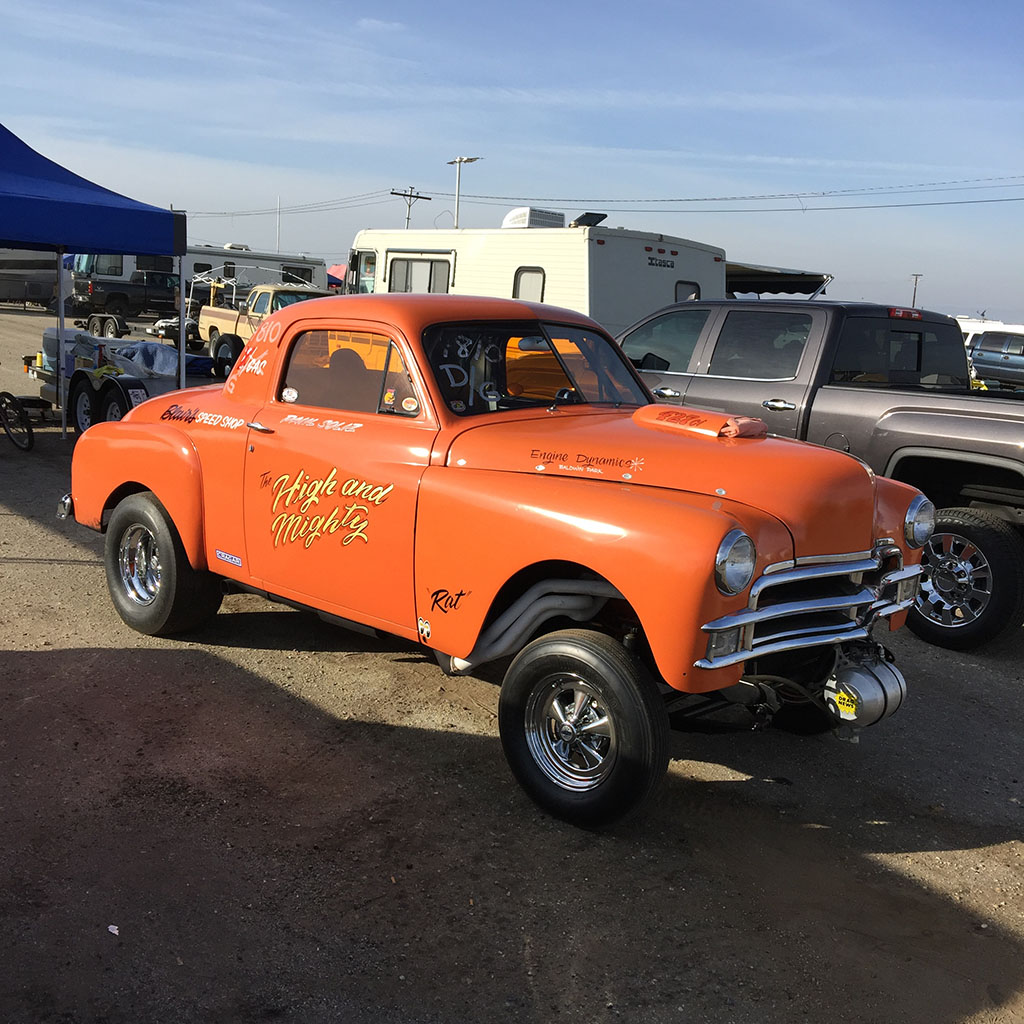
[570,733]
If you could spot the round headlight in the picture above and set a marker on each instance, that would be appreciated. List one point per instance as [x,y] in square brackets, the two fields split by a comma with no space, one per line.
[734,563]
[919,523]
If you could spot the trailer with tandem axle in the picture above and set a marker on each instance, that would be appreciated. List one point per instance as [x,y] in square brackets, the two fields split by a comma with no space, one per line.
[104,379]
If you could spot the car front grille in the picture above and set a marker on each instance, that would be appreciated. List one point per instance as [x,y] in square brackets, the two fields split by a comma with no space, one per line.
[812,603]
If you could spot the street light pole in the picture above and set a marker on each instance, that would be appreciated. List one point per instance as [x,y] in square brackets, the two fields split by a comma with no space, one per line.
[916,277]
[459,161]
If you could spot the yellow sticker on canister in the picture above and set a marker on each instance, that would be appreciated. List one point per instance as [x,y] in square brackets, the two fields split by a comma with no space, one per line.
[846,702]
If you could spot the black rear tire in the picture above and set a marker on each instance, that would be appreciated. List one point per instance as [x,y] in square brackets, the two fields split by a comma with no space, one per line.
[154,588]
[227,349]
[972,589]
[583,727]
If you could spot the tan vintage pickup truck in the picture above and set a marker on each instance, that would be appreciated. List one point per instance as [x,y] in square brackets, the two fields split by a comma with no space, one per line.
[226,330]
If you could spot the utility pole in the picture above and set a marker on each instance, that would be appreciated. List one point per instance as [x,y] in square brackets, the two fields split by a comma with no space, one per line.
[410,197]
[913,301]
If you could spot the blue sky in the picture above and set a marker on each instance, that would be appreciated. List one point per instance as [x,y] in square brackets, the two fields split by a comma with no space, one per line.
[628,109]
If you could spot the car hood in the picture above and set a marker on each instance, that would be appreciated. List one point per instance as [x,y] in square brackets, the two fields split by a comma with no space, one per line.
[825,498]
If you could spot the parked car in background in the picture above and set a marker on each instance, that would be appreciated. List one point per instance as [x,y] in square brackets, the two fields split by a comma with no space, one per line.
[488,479]
[892,386]
[996,349]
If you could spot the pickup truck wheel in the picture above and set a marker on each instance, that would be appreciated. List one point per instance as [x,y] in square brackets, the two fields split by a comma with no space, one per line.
[116,306]
[583,727]
[81,405]
[214,335]
[154,588]
[972,587]
[227,349]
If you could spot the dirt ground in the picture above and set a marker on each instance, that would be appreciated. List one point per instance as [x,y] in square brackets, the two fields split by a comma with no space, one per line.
[276,819]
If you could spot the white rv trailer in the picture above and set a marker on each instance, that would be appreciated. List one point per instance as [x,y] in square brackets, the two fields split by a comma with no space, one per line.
[30,276]
[615,275]
[234,262]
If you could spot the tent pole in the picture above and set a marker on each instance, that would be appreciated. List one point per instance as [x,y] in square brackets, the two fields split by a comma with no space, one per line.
[60,345]
[181,322]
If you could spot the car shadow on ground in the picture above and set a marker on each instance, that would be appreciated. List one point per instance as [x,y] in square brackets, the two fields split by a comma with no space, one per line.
[189,841]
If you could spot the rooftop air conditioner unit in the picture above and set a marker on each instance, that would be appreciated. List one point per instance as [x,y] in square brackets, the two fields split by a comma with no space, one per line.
[531,217]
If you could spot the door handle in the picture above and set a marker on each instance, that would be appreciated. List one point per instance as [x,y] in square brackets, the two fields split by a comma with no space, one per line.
[257,426]
[778,404]
[664,392]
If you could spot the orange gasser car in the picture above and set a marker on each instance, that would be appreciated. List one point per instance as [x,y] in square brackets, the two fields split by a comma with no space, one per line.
[490,478]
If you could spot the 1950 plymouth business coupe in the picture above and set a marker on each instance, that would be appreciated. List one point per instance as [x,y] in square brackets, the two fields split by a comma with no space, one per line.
[490,478]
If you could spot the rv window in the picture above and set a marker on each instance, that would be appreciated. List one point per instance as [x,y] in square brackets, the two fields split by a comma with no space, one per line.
[687,291]
[112,266]
[201,268]
[419,276]
[164,263]
[229,270]
[529,284]
[298,274]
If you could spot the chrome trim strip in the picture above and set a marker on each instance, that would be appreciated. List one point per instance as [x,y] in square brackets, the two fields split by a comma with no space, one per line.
[854,633]
[852,556]
[864,596]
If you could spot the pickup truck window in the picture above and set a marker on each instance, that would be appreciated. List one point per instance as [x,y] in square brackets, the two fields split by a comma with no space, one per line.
[282,299]
[354,371]
[259,306]
[876,351]
[758,345]
[481,368]
[666,342]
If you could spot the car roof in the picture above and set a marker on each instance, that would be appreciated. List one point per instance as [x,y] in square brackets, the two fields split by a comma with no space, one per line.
[414,312]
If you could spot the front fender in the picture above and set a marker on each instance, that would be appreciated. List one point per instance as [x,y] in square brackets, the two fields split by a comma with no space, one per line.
[111,459]
[477,529]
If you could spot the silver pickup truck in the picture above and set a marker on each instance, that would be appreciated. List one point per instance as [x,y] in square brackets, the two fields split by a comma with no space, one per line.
[891,386]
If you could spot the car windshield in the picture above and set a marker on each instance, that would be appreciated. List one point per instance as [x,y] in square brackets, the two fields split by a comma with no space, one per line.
[488,367]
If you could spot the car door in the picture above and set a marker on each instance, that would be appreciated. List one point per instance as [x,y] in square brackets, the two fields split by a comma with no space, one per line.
[751,365]
[664,348]
[333,463]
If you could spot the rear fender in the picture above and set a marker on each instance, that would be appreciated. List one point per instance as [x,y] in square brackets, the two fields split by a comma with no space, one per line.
[115,459]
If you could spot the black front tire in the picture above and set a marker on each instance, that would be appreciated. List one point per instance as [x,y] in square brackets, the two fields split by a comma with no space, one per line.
[972,589]
[583,727]
[154,588]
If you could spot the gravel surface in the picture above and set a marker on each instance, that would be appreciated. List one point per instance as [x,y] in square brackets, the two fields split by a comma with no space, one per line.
[276,819]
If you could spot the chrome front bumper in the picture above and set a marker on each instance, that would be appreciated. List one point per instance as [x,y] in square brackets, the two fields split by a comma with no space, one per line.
[831,602]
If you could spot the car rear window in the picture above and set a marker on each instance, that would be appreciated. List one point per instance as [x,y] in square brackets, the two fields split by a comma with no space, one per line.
[879,352]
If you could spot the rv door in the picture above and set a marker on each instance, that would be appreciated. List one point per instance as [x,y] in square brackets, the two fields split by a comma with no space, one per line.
[362,272]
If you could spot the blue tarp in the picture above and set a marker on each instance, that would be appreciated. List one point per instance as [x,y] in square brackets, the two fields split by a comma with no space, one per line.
[45,206]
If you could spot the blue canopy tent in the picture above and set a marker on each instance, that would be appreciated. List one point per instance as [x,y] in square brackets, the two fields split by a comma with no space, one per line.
[45,206]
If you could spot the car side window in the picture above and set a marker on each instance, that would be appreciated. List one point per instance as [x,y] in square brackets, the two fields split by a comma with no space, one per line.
[666,342]
[259,306]
[760,345]
[352,371]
